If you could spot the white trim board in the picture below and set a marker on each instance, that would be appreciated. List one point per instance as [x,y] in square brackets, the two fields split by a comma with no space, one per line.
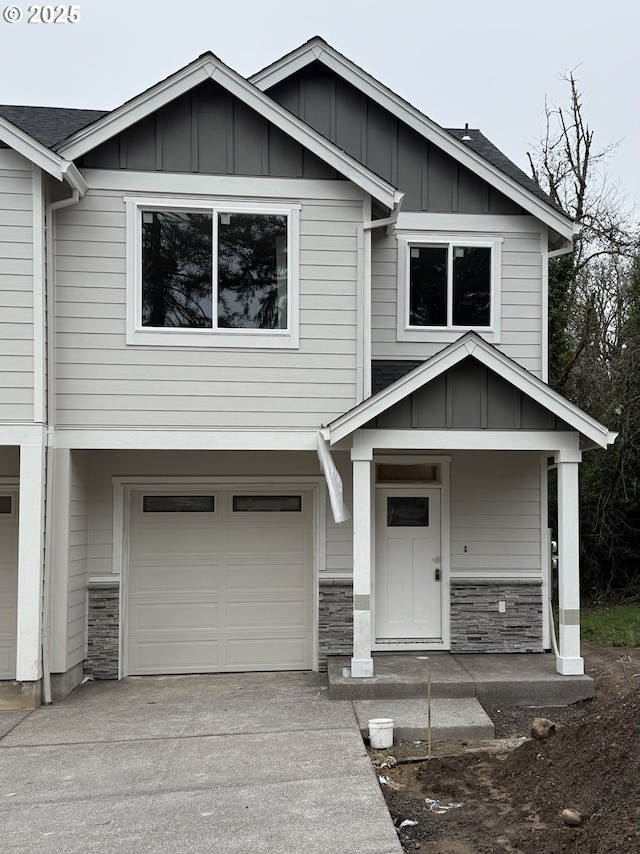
[472,344]
[258,439]
[208,67]
[318,49]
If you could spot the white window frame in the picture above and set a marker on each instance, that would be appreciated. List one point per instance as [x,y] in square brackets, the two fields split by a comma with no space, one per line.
[450,332]
[137,334]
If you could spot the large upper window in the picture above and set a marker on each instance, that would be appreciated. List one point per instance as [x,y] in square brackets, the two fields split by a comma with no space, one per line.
[446,285]
[212,275]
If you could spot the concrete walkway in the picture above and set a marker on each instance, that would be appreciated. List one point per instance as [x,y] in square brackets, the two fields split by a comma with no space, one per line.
[243,763]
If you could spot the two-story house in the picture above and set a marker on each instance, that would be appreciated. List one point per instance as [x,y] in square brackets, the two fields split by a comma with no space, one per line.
[230,307]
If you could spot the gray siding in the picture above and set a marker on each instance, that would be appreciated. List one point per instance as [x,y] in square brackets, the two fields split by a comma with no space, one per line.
[431,180]
[469,397]
[78,559]
[209,131]
[495,515]
[16,288]
[100,381]
[520,295]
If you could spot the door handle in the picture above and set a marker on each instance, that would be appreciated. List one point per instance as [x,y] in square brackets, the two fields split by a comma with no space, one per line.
[437,575]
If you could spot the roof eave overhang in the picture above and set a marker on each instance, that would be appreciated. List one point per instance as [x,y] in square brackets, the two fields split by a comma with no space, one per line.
[320,50]
[34,151]
[209,68]
[594,434]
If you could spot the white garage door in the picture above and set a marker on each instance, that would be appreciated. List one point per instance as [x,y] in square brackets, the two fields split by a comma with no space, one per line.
[220,581]
[8,582]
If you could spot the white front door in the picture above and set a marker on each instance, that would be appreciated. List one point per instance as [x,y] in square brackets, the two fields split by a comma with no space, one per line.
[408,601]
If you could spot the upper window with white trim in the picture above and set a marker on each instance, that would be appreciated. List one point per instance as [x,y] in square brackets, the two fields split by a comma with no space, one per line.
[447,283]
[207,275]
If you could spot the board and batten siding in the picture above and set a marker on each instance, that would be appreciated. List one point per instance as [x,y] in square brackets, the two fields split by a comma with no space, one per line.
[495,515]
[104,465]
[103,382]
[521,302]
[16,288]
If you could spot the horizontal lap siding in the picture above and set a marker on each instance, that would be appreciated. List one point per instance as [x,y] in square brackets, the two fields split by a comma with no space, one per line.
[16,288]
[78,559]
[495,514]
[100,381]
[521,311]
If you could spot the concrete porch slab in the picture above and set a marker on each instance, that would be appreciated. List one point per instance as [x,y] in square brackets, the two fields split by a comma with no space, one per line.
[517,679]
[460,720]
[401,676]
[524,680]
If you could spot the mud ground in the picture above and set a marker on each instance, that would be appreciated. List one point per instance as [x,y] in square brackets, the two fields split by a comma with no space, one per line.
[511,799]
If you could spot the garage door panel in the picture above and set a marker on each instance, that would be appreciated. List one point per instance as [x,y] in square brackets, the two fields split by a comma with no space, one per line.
[175,656]
[176,578]
[159,538]
[267,578]
[276,539]
[281,653]
[172,616]
[287,614]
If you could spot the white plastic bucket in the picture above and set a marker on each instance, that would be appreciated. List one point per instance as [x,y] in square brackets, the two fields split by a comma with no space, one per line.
[381,733]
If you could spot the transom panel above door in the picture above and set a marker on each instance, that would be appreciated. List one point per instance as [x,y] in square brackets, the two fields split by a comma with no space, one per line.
[408,597]
[220,581]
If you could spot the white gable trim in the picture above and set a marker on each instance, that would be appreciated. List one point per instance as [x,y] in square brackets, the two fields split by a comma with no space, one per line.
[208,67]
[472,345]
[426,127]
[33,150]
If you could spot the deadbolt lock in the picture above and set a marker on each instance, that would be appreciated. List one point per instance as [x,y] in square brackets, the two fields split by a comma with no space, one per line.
[437,575]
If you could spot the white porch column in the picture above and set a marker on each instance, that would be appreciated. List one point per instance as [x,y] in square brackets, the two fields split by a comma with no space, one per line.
[569,661]
[30,557]
[362,662]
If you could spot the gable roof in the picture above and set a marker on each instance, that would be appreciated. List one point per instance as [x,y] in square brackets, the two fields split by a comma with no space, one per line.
[471,344]
[478,155]
[209,67]
[49,125]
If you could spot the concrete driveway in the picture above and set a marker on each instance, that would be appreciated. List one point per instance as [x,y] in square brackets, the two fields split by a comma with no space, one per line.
[224,763]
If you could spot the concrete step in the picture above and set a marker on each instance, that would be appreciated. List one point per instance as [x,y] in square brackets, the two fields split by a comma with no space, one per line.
[453,721]
[402,676]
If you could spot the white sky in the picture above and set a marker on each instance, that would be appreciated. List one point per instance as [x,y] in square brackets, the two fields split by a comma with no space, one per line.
[487,62]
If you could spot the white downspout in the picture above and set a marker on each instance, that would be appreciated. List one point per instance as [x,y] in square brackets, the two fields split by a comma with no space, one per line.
[48,543]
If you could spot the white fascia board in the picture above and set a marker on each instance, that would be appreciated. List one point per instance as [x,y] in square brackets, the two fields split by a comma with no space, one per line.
[186,440]
[416,120]
[546,441]
[206,68]
[74,178]
[30,148]
[472,345]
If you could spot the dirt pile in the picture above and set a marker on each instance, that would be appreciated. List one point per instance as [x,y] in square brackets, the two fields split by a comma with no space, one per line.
[512,802]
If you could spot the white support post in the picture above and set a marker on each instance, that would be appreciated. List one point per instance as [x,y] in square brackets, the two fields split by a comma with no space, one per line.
[362,662]
[569,661]
[58,564]
[30,558]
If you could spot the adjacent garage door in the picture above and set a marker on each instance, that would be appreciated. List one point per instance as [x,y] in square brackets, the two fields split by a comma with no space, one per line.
[8,582]
[220,581]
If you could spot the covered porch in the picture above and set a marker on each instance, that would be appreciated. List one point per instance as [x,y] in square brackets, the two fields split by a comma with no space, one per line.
[454,572]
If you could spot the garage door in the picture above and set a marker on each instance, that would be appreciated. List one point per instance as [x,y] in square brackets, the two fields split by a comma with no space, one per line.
[8,582]
[220,581]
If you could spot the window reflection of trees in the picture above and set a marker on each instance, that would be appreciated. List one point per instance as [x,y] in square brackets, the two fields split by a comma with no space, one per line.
[252,271]
[176,269]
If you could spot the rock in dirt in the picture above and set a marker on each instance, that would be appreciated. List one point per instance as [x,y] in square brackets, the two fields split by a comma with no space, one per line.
[571,817]
[542,728]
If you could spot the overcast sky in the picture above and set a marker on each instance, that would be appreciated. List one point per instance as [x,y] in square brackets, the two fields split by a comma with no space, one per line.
[487,62]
